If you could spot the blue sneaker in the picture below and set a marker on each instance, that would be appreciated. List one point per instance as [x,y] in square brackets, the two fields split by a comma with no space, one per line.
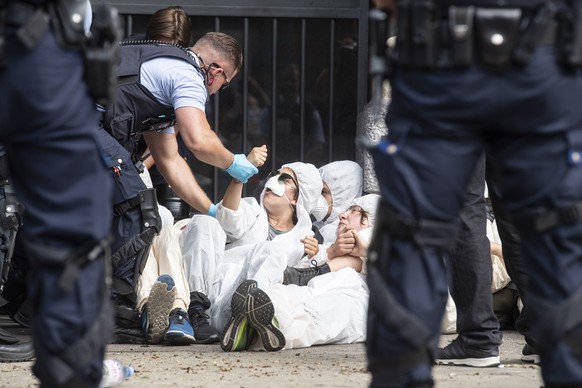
[155,313]
[180,331]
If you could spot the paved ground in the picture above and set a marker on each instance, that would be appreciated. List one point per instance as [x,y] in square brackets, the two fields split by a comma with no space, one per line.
[319,366]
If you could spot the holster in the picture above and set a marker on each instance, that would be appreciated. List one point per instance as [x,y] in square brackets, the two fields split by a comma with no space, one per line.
[68,18]
[496,34]
[102,54]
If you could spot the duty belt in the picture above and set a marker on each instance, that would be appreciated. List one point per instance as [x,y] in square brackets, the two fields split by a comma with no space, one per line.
[437,37]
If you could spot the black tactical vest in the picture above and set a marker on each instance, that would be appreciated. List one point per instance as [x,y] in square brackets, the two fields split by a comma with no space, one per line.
[135,109]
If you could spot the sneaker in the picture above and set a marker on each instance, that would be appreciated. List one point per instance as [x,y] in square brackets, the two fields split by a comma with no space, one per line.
[456,353]
[238,332]
[203,332]
[180,331]
[157,308]
[261,314]
[530,354]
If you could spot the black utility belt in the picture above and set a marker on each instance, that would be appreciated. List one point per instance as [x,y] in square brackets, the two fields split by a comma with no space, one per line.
[432,37]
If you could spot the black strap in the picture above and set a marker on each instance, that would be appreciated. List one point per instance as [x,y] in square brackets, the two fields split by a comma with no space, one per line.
[564,216]
[126,205]
[543,219]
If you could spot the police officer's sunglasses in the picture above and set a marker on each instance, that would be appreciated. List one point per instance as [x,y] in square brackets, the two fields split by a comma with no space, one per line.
[226,83]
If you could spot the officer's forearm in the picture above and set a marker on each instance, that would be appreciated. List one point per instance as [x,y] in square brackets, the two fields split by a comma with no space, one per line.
[179,176]
[201,139]
[214,153]
[164,150]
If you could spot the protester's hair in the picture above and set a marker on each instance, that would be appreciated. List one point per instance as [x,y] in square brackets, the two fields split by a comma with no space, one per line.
[225,45]
[360,210]
[170,25]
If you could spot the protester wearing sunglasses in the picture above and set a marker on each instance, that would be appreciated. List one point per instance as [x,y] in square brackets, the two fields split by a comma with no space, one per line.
[248,239]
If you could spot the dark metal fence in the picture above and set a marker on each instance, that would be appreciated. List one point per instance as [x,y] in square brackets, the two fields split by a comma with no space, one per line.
[303,82]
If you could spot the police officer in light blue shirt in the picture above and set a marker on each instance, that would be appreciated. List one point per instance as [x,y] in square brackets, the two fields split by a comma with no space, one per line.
[163,89]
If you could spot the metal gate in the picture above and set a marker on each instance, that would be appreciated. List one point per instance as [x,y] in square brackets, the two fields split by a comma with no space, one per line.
[303,81]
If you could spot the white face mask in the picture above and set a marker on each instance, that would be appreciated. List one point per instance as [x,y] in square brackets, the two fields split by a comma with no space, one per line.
[320,210]
[277,187]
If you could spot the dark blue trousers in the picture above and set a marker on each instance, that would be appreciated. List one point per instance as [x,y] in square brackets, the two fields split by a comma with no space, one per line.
[439,123]
[48,125]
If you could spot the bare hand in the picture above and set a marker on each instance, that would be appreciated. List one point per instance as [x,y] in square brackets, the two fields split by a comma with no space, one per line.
[343,245]
[258,156]
[361,247]
[310,246]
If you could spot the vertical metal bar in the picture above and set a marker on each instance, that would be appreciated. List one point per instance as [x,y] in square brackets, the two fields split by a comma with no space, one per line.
[362,98]
[302,136]
[245,104]
[331,76]
[273,150]
[216,126]
[129,25]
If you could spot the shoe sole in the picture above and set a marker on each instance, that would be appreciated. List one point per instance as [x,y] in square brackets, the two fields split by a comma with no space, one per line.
[16,356]
[236,329]
[210,340]
[178,337]
[260,312]
[531,358]
[160,304]
[486,362]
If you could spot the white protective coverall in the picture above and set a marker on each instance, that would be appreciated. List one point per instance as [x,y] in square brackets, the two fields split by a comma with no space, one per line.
[332,308]
[345,181]
[221,253]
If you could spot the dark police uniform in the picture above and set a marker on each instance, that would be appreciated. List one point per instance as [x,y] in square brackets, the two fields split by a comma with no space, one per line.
[468,75]
[48,123]
[136,220]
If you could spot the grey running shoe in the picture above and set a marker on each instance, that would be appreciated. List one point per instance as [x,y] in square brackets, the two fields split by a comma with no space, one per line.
[238,333]
[456,353]
[261,314]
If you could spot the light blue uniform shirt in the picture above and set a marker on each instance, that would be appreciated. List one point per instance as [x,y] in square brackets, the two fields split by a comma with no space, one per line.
[175,83]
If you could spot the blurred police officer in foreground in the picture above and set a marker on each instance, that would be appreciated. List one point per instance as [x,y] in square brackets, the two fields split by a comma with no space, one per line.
[48,124]
[468,75]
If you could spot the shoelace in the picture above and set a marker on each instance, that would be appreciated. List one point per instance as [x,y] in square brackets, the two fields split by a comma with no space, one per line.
[200,319]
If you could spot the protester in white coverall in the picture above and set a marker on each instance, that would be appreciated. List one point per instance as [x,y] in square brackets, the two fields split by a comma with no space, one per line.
[330,309]
[342,183]
[248,240]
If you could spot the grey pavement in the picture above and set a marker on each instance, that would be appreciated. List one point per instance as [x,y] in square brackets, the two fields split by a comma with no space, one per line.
[318,366]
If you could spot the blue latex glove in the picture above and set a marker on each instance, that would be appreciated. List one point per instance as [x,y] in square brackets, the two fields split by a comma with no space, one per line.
[212,210]
[241,168]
